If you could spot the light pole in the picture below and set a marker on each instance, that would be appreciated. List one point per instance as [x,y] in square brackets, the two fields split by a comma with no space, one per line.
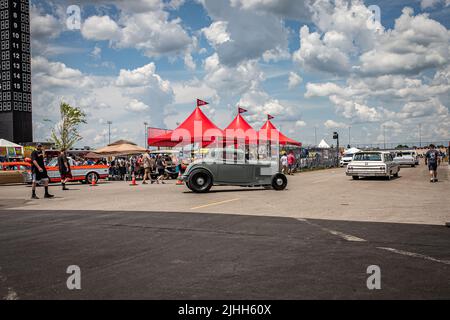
[349,136]
[336,137]
[145,135]
[420,135]
[315,136]
[384,136]
[109,131]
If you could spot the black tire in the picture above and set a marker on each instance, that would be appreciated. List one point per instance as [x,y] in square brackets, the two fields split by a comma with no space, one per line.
[279,182]
[90,176]
[355,177]
[413,166]
[396,175]
[200,181]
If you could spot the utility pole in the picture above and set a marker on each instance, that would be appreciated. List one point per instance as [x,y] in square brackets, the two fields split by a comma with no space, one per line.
[349,136]
[145,135]
[384,135]
[315,136]
[109,131]
[420,135]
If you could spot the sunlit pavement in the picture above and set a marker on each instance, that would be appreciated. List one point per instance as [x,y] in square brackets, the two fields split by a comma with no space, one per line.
[326,194]
[161,241]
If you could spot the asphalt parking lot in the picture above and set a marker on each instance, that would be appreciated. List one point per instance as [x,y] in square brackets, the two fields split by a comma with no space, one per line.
[314,240]
[161,255]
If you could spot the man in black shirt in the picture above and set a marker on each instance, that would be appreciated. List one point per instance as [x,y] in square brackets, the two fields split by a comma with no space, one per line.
[432,159]
[39,172]
[64,169]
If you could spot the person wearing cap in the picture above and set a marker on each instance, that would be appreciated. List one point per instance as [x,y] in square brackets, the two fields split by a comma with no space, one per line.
[39,172]
[432,159]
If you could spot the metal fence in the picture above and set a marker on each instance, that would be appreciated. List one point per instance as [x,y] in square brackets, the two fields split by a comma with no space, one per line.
[315,158]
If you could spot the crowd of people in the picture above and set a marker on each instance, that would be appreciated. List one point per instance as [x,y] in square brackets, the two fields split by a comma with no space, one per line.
[146,167]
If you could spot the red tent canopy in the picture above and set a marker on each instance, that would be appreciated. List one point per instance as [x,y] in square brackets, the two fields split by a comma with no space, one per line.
[196,128]
[239,129]
[269,132]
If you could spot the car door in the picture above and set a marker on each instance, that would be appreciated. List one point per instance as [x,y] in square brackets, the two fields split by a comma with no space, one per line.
[234,170]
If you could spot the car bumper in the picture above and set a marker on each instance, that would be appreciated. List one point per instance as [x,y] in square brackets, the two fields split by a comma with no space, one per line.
[366,174]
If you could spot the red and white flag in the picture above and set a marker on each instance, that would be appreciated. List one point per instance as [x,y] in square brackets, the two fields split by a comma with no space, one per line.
[241,110]
[201,103]
[269,117]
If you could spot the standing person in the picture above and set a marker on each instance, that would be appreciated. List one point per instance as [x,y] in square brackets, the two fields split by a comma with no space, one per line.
[432,159]
[161,167]
[39,172]
[122,169]
[291,162]
[284,163]
[147,162]
[64,169]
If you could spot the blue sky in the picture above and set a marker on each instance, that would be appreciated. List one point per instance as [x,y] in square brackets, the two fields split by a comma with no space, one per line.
[148,60]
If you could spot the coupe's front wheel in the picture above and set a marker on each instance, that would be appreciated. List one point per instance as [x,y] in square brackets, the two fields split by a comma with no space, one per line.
[200,181]
[279,182]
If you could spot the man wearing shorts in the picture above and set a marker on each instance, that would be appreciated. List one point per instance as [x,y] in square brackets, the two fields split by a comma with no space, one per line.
[64,169]
[161,168]
[432,159]
[291,162]
[39,172]
[147,161]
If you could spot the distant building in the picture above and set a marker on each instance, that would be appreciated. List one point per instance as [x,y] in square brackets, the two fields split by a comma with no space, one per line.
[15,71]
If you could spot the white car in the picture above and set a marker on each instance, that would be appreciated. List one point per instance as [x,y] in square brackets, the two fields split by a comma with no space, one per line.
[406,158]
[373,164]
[346,159]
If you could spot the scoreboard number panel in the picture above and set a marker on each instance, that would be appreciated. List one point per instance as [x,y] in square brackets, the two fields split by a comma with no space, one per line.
[15,73]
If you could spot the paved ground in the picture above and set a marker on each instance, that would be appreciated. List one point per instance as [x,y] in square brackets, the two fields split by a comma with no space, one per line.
[139,255]
[314,240]
[327,194]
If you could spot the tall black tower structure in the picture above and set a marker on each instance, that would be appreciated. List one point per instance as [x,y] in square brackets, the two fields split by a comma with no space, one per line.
[15,73]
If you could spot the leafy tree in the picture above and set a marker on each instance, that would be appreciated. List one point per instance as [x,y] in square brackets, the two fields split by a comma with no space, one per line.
[65,134]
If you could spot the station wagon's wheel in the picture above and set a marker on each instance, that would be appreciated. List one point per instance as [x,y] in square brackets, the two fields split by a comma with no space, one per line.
[200,181]
[91,176]
[396,175]
[355,177]
[279,182]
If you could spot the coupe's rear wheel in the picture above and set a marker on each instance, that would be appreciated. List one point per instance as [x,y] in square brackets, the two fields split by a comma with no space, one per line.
[279,182]
[200,181]
[355,177]
[91,176]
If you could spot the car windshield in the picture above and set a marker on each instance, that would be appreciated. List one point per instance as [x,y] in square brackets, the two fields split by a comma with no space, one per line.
[348,155]
[367,157]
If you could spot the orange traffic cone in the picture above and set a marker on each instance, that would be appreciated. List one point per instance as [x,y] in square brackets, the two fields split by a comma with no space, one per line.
[94,182]
[179,181]
[133,181]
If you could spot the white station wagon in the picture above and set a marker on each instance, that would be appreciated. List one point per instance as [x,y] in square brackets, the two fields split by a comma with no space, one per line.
[373,164]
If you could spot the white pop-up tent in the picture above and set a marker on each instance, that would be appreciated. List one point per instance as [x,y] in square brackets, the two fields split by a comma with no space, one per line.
[10,149]
[351,151]
[323,145]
